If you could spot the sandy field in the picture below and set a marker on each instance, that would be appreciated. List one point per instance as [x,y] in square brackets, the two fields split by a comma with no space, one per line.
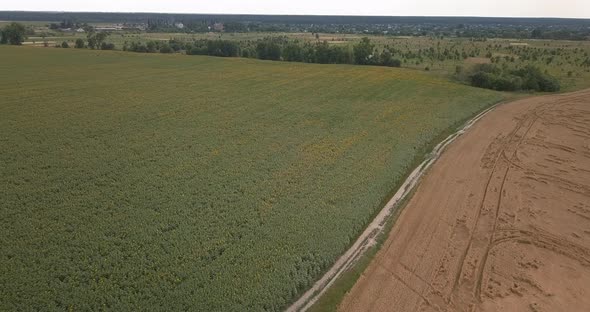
[500,223]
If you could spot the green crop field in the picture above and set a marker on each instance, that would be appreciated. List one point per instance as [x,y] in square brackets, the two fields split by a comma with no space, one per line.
[134,182]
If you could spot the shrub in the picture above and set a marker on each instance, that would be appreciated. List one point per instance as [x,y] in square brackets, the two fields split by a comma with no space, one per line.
[14,33]
[223,48]
[387,59]
[363,52]
[293,52]
[176,45]
[166,49]
[138,47]
[490,76]
[268,49]
[79,43]
[107,46]
[65,45]
[151,47]
[534,79]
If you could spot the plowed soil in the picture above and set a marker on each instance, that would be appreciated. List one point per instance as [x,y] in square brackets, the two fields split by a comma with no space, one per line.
[500,223]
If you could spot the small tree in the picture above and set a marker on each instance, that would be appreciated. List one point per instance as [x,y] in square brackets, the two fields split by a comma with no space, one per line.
[92,41]
[363,52]
[152,47]
[65,45]
[95,40]
[100,38]
[293,52]
[387,59]
[79,43]
[166,49]
[14,34]
[268,49]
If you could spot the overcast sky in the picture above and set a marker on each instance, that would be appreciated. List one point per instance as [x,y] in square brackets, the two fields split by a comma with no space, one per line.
[524,8]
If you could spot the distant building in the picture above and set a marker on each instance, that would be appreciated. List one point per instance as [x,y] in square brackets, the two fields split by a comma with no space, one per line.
[80,30]
[114,27]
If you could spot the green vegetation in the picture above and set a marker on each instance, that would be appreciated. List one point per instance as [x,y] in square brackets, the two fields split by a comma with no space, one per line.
[169,182]
[568,62]
[79,43]
[504,67]
[334,295]
[490,76]
[275,49]
[96,40]
[437,51]
[14,34]
[178,183]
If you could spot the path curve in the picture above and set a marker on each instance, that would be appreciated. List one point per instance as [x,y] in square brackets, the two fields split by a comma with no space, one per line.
[501,222]
[367,238]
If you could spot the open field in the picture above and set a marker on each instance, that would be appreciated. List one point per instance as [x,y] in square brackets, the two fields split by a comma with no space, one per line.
[167,182]
[441,55]
[501,223]
[568,61]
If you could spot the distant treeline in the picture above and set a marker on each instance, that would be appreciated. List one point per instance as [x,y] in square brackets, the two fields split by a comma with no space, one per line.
[478,27]
[276,49]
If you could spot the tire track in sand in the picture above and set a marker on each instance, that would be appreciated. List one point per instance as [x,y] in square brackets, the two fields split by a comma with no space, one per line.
[500,223]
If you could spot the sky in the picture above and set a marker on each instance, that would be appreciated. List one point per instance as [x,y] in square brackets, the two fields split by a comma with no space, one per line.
[496,8]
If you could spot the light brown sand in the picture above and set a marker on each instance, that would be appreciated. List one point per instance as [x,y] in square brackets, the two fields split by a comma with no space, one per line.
[500,223]
[478,60]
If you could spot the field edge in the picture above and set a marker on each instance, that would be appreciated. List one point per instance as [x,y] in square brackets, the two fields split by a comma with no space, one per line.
[330,300]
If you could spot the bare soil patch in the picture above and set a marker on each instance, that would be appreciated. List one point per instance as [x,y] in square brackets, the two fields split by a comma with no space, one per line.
[478,60]
[500,223]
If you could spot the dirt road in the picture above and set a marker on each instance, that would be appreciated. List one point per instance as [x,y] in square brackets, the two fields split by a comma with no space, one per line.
[501,222]
[367,239]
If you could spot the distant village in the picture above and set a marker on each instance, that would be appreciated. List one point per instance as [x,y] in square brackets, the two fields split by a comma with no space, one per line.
[68,26]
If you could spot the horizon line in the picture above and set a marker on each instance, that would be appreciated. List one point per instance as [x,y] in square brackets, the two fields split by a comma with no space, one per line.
[286,14]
